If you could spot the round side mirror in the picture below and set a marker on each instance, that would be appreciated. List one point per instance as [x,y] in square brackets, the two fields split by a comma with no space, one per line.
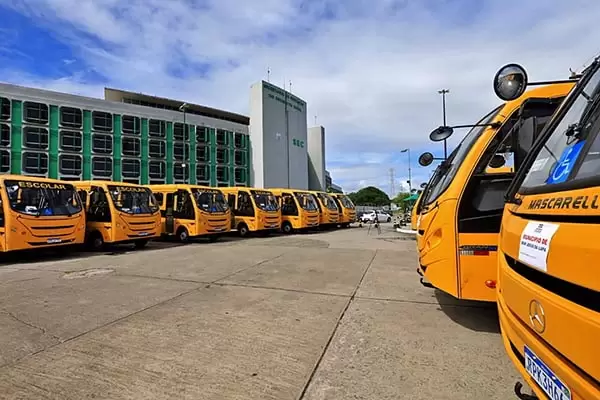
[425,159]
[510,82]
[441,133]
[422,185]
[497,161]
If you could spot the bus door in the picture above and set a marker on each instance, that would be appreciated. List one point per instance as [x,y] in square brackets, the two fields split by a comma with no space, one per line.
[482,201]
[232,207]
[179,207]
[2,226]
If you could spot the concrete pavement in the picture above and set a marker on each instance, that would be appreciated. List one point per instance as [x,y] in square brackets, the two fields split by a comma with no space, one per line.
[329,315]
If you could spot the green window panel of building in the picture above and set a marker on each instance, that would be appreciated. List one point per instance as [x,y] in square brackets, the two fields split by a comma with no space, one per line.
[74,143]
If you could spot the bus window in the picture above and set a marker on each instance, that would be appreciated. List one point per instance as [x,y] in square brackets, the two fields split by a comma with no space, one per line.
[1,213]
[98,210]
[288,205]
[231,201]
[159,198]
[245,208]
[184,207]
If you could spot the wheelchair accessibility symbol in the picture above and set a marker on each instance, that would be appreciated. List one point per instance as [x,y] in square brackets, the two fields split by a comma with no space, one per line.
[565,163]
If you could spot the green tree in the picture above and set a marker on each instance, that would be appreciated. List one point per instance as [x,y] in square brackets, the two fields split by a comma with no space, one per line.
[371,196]
[399,199]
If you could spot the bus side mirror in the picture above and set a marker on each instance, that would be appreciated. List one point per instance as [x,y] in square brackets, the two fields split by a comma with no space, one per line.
[510,82]
[497,161]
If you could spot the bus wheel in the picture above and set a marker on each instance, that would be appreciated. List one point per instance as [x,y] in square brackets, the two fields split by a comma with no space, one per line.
[183,235]
[287,228]
[243,230]
[96,241]
[140,244]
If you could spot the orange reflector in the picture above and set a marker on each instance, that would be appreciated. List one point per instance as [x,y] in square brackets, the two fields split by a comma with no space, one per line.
[481,253]
[491,284]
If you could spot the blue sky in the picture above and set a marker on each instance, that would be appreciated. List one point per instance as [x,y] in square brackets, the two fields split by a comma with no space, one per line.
[369,70]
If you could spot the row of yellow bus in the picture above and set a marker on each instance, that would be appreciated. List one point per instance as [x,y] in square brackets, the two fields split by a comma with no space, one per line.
[39,212]
[512,216]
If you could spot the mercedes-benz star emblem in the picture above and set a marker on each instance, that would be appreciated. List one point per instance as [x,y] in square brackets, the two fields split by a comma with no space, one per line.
[537,318]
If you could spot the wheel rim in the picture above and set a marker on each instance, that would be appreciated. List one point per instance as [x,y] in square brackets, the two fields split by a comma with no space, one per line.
[287,228]
[98,242]
[243,231]
[183,235]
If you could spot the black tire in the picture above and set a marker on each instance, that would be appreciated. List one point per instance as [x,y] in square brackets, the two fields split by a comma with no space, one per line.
[183,235]
[243,230]
[213,238]
[140,244]
[389,219]
[287,228]
[95,241]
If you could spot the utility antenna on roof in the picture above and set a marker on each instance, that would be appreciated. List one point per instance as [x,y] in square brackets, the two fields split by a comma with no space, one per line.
[268,74]
[290,86]
[315,120]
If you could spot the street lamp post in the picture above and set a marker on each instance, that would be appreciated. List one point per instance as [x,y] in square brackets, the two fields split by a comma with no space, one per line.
[183,108]
[407,150]
[443,93]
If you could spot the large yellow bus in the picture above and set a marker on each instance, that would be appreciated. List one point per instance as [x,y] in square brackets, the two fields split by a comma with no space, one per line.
[254,210]
[461,206]
[329,214]
[118,212]
[39,212]
[347,210]
[548,281]
[192,211]
[298,210]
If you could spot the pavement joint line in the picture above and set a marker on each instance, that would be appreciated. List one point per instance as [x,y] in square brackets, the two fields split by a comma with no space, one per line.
[43,330]
[279,288]
[162,278]
[334,331]
[113,322]
[247,268]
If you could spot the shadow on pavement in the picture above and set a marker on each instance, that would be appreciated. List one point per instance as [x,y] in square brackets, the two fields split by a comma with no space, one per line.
[74,252]
[474,315]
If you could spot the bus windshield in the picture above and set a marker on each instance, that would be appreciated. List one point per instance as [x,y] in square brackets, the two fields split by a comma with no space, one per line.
[210,200]
[446,172]
[133,199]
[328,201]
[265,200]
[307,202]
[42,198]
[346,202]
[565,157]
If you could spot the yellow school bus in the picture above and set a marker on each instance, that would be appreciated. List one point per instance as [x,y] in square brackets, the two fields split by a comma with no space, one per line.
[329,214]
[192,211]
[298,210]
[548,281]
[346,207]
[254,210]
[414,215]
[118,212]
[39,212]
[461,206]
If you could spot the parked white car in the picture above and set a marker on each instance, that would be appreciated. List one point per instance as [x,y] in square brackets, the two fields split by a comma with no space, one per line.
[382,216]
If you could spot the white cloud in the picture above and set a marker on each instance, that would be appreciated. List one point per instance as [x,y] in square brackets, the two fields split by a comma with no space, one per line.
[369,70]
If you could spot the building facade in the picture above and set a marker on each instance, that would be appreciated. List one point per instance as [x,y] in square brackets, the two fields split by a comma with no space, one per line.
[278,132]
[316,159]
[133,138]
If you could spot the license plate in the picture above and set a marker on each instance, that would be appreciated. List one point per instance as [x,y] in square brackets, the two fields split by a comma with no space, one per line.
[143,233]
[218,229]
[545,378]
[53,240]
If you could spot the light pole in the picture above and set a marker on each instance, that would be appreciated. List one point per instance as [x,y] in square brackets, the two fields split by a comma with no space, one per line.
[407,150]
[443,93]
[182,108]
